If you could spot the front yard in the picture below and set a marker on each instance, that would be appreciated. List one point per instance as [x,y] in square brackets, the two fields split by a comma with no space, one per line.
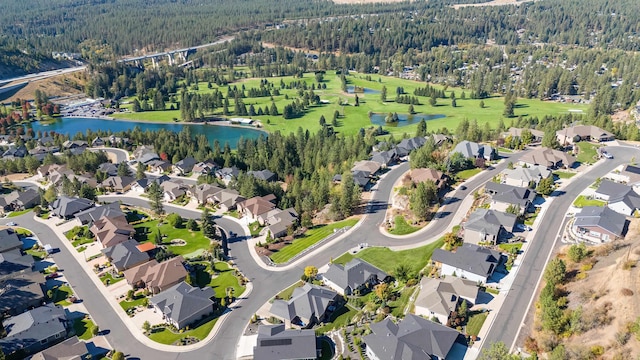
[582,201]
[225,278]
[83,328]
[168,337]
[587,152]
[466,174]
[109,279]
[311,237]
[340,318]
[475,322]
[194,241]
[402,227]
[18,213]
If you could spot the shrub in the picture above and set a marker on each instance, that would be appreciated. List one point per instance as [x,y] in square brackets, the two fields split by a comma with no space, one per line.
[597,350]
[626,292]
[586,267]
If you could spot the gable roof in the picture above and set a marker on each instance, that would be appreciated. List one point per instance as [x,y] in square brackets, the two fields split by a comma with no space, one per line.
[414,338]
[411,144]
[93,214]
[65,206]
[471,149]
[441,295]
[490,221]
[20,288]
[32,326]
[510,194]
[265,175]
[275,342]
[548,157]
[118,182]
[259,205]
[228,172]
[157,276]
[306,302]
[12,262]
[602,217]
[366,166]
[527,174]
[125,255]
[182,301]
[424,174]
[585,131]
[353,274]
[203,192]
[9,240]
[110,231]
[186,164]
[517,132]
[469,257]
[384,157]
[108,168]
[70,349]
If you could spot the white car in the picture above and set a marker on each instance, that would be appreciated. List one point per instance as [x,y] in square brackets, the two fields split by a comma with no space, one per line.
[12,224]
[607,155]
[523,227]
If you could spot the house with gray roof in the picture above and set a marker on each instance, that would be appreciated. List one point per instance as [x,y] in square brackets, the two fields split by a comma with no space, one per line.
[20,289]
[185,165]
[468,262]
[265,175]
[118,183]
[203,193]
[13,262]
[366,167]
[473,150]
[536,135]
[34,330]
[21,200]
[275,342]
[353,277]
[406,146]
[159,166]
[620,198]
[205,167]
[385,158]
[525,176]
[140,186]
[440,297]
[309,304]
[15,152]
[125,255]
[278,221]
[412,338]
[627,174]
[9,240]
[599,224]
[227,199]
[184,304]
[488,225]
[108,168]
[91,215]
[503,196]
[65,207]
[227,174]
[70,349]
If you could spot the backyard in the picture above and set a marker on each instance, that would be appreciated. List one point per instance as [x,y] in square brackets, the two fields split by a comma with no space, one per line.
[340,318]
[194,241]
[311,237]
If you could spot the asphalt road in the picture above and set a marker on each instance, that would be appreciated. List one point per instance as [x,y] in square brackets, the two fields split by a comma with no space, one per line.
[514,308]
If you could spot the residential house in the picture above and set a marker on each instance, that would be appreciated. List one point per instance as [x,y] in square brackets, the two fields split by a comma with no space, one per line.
[98,141]
[45,170]
[550,158]
[207,167]
[309,304]
[14,152]
[412,338]
[70,349]
[599,224]
[354,277]
[20,285]
[504,196]
[359,177]
[34,330]
[147,157]
[118,183]
[227,174]
[142,151]
[525,176]
[536,135]
[278,221]
[92,215]
[203,193]
[265,175]
[74,144]
[9,240]
[155,276]
[21,200]
[574,134]
[368,168]
[421,175]
[140,186]
[440,139]
[110,231]
[406,146]
[159,166]
[66,207]
[125,255]
[385,158]
[108,168]
[40,152]
[473,150]
[173,189]
[14,262]
[184,166]
[227,199]
[619,197]
[275,342]
[468,262]
[183,304]
[627,174]
[488,225]
[116,140]
[256,206]
[440,297]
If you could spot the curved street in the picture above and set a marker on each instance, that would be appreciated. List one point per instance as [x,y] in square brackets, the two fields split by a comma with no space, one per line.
[230,327]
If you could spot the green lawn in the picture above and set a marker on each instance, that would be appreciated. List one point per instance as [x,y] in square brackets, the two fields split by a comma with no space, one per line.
[23,231]
[326,352]
[398,306]
[112,280]
[82,327]
[504,150]
[37,254]
[168,337]
[466,174]
[475,323]
[402,227]
[61,294]
[286,293]
[311,237]
[226,278]
[138,299]
[587,152]
[582,201]
[196,241]
[341,317]
[388,260]
[81,241]
[255,228]
[564,174]
[18,213]
[353,118]
[508,247]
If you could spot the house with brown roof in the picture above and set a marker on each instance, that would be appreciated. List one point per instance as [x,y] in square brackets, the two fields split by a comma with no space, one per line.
[155,276]
[552,159]
[227,199]
[203,193]
[421,175]
[110,231]
[256,206]
[173,190]
[118,183]
[574,134]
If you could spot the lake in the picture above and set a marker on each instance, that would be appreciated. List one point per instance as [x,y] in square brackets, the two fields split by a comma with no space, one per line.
[351,90]
[404,119]
[73,125]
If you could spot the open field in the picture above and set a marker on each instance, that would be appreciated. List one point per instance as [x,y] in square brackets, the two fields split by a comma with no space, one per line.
[60,86]
[353,118]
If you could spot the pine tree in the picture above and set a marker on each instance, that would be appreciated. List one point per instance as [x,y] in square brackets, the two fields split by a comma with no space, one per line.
[156,196]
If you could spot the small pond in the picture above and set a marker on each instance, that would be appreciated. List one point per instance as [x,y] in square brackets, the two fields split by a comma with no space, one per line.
[352,90]
[403,119]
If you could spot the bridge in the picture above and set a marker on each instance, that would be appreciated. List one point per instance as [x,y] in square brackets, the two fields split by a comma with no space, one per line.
[174,56]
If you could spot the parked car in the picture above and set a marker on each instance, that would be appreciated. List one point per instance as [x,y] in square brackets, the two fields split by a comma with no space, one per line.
[12,224]
[52,276]
[607,155]
[523,227]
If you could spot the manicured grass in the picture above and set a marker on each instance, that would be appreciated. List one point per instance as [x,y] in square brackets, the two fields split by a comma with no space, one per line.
[509,247]
[82,327]
[168,337]
[388,260]
[37,254]
[255,228]
[353,118]
[112,280]
[398,306]
[504,150]
[138,299]
[286,293]
[22,231]
[196,241]
[466,174]
[61,294]
[81,241]
[18,213]
[225,279]
[326,352]
[340,318]
[564,174]
[402,227]
[582,201]
[587,152]
[475,323]
[311,237]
